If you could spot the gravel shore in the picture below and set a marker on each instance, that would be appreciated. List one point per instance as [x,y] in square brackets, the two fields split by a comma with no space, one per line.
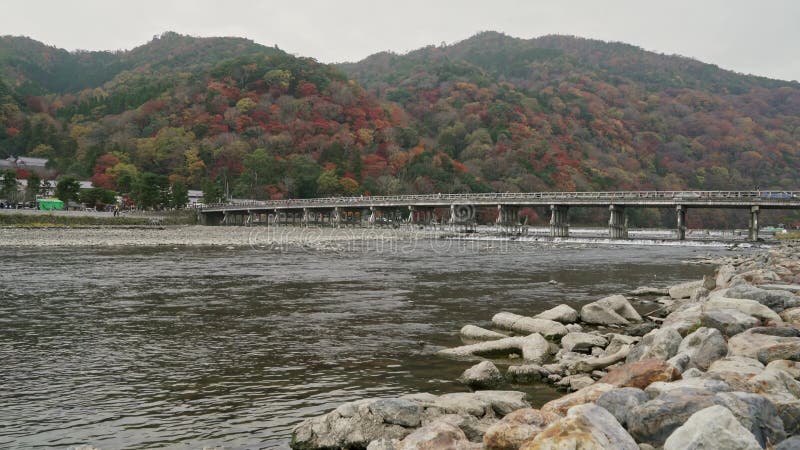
[287,237]
[199,236]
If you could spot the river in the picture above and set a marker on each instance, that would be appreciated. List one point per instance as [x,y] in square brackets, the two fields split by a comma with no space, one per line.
[185,347]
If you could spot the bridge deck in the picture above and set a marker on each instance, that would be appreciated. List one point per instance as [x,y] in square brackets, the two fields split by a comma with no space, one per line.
[642,199]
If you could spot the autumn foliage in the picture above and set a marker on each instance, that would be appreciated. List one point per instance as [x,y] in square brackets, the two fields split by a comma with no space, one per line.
[491,113]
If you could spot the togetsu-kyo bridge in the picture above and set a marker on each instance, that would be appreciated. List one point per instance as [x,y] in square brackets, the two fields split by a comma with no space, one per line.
[461,209]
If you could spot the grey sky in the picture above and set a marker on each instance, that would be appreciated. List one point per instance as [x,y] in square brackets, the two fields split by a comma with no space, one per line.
[758,37]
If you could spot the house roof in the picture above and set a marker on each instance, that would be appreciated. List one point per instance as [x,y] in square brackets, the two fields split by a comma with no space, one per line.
[23,161]
[28,161]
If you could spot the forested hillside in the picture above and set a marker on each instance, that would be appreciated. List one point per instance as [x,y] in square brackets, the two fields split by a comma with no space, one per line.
[491,113]
[567,113]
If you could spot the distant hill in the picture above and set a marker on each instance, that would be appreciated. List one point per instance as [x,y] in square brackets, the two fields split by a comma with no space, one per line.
[560,112]
[33,68]
[518,60]
[491,112]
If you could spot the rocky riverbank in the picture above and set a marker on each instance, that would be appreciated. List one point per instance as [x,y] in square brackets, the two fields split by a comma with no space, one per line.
[715,365]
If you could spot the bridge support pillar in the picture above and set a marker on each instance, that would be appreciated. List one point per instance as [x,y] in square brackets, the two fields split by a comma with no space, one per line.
[508,218]
[250,218]
[211,218]
[306,217]
[419,215]
[363,216]
[336,216]
[372,217]
[681,213]
[753,235]
[559,221]
[617,223]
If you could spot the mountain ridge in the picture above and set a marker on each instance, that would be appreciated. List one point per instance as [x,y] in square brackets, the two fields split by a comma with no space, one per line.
[556,41]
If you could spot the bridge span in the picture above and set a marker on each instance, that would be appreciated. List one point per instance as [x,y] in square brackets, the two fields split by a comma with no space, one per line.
[461,209]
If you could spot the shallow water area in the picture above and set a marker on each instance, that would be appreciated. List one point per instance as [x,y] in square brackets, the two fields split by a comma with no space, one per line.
[184,346]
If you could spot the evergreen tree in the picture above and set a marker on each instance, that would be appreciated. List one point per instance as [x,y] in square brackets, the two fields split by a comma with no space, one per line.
[34,187]
[179,195]
[10,186]
[67,189]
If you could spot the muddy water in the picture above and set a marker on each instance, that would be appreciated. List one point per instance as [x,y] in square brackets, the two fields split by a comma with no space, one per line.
[190,347]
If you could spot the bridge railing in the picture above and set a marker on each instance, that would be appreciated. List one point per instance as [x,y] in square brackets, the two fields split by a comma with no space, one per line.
[516,196]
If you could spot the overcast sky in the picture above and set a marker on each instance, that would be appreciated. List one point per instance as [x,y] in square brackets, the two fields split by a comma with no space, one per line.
[759,37]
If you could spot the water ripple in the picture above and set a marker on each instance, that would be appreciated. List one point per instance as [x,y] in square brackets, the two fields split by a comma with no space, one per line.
[165,348]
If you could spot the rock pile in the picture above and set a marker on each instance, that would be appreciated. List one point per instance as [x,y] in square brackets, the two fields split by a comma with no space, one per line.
[448,421]
[717,367]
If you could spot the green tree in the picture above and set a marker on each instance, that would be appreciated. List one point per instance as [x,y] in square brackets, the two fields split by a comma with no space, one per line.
[165,151]
[328,183]
[67,189]
[178,195]
[151,190]
[34,187]
[278,79]
[9,187]
[125,175]
[260,169]
[246,105]
[302,177]
[97,197]
[212,192]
